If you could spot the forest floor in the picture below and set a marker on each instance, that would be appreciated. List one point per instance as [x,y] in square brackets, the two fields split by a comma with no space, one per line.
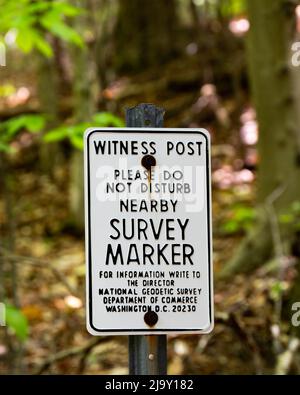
[49,263]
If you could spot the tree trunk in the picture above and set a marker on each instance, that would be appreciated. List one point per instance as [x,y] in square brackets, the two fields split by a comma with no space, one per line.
[146,33]
[276,106]
[271,79]
[48,97]
[85,95]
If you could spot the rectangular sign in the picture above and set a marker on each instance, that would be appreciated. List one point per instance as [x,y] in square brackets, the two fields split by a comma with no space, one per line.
[148,231]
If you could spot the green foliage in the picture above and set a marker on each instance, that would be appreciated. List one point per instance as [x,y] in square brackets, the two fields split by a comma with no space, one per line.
[240,219]
[106,119]
[74,133]
[17,322]
[291,217]
[276,290]
[33,123]
[232,7]
[31,20]
[225,8]
[6,90]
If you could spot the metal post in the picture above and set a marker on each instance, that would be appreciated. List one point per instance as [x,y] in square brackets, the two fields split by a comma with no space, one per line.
[147,354]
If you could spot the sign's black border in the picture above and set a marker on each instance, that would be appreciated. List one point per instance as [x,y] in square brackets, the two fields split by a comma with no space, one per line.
[156,131]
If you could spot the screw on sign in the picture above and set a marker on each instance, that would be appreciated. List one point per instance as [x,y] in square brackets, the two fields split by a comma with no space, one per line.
[151,318]
[148,234]
[148,162]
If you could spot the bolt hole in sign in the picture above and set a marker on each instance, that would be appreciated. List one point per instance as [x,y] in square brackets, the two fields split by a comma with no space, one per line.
[148,231]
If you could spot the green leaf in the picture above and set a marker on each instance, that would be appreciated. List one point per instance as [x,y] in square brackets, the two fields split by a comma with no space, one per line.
[33,123]
[66,8]
[75,132]
[230,227]
[13,125]
[77,141]
[17,322]
[51,22]
[32,20]
[79,128]
[38,7]
[57,134]
[107,119]
[24,40]
[43,46]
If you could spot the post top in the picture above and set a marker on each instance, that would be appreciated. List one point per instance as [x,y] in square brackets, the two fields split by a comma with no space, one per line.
[145,115]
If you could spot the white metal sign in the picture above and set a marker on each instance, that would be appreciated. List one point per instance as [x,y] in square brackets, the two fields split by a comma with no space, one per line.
[148,231]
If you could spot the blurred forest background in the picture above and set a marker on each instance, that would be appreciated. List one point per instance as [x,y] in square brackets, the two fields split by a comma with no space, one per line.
[230,66]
